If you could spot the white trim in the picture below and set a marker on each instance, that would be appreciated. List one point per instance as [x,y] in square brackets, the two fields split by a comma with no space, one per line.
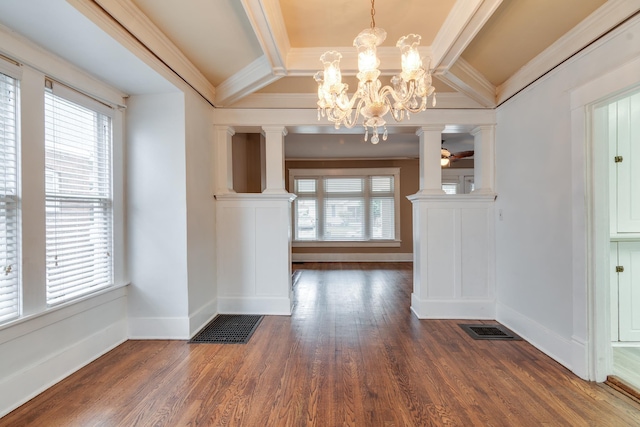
[466,79]
[35,57]
[10,69]
[343,244]
[590,177]
[446,100]
[125,16]
[267,306]
[202,316]
[254,76]
[480,308]
[27,383]
[465,20]
[166,328]
[537,334]
[352,257]
[594,26]
[268,24]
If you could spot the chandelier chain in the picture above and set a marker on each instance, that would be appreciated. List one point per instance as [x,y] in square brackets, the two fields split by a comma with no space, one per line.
[373,13]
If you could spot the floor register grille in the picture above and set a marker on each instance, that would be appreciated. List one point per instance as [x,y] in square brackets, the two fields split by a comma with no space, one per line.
[228,329]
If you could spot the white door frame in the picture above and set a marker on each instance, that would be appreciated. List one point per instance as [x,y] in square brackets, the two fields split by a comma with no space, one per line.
[592,354]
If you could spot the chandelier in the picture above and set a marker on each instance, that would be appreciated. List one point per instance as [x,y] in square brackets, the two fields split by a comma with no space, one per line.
[408,93]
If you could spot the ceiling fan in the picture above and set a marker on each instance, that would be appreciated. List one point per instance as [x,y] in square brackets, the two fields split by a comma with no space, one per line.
[446,157]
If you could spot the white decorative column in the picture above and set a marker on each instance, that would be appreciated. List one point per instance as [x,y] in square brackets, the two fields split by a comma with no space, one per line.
[453,238]
[274,156]
[254,238]
[430,169]
[222,161]
[484,155]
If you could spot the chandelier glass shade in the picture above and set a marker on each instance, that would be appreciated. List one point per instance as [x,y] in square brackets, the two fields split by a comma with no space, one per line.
[407,93]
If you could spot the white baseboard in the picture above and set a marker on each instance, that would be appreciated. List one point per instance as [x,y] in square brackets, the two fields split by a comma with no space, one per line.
[254,305]
[27,383]
[202,316]
[555,346]
[480,309]
[153,328]
[352,257]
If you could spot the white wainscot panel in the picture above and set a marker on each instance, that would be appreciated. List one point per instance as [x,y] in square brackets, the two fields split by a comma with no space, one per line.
[254,253]
[453,257]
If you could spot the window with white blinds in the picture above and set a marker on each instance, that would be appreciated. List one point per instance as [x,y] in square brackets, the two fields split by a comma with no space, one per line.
[79,211]
[9,239]
[345,205]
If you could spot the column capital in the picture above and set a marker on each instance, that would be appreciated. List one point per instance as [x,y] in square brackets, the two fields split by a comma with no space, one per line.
[230,131]
[281,129]
[481,128]
[434,128]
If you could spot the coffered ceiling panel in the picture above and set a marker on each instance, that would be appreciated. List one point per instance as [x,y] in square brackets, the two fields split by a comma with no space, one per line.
[338,22]
[521,29]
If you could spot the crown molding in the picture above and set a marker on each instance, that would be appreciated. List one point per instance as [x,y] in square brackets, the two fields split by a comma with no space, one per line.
[268,25]
[446,100]
[306,61]
[469,81]
[590,29]
[462,24]
[251,78]
[130,18]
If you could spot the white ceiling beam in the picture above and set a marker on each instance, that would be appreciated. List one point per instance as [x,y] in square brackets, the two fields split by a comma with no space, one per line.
[595,25]
[463,23]
[268,25]
[130,17]
[306,61]
[251,78]
[469,81]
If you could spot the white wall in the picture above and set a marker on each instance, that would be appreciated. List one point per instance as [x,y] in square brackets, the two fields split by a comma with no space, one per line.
[157,216]
[540,269]
[48,343]
[201,213]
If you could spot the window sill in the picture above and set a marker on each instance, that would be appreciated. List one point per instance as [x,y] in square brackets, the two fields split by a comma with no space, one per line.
[354,244]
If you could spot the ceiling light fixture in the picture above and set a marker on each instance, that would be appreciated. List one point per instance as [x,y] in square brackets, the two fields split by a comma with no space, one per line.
[408,94]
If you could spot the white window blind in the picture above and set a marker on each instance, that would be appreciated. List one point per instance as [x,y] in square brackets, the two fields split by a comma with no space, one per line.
[9,239]
[346,208]
[78,197]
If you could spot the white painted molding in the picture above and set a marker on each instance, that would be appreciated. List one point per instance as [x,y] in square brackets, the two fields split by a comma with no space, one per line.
[166,328]
[469,81]
[352,257]
[125,17]
[268,25]
[446,100]
[27,383]
[306,61]
[463,23]
[251,78]
[239,117]
[28,53]
[267,306]
[452,198]
[481,309]
[595,25]
[255,197]
[202,317]
[537,334]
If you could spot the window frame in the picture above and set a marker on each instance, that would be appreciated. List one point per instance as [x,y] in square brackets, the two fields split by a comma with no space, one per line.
[319,175]
[13,72]
[106,199]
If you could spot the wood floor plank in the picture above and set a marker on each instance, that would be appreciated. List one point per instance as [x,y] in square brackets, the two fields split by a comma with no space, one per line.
[351,354]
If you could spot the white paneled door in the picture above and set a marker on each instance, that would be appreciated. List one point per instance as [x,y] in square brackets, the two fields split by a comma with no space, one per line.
[629,291]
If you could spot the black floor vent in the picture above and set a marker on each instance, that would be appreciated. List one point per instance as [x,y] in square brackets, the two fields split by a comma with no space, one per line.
[479,331]
[228,329]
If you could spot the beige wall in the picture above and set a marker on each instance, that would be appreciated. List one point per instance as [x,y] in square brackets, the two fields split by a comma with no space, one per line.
[409,184]
[245,151]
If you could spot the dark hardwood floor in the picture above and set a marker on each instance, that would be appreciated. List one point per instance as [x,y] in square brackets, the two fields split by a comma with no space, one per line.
[351,354]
